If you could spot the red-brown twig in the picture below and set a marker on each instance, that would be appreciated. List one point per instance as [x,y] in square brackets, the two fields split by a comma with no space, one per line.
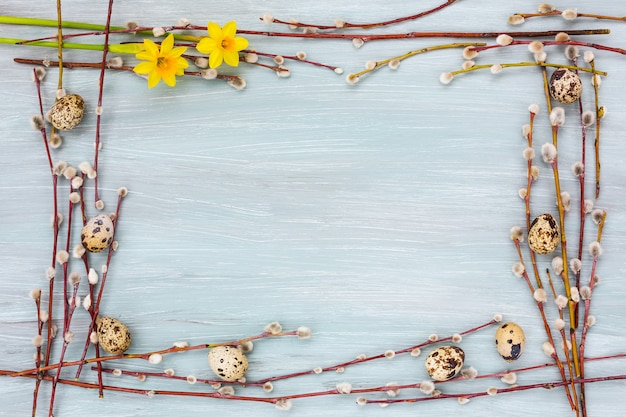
[348,25]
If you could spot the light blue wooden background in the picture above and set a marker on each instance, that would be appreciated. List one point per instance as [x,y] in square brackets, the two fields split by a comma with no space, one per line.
[375,214]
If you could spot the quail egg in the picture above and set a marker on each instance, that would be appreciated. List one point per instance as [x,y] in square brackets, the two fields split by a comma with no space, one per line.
[113,335]
[67,112]
[544,234]
[229,363]
[565,86]
[97,234]
[445,362]
[510,341]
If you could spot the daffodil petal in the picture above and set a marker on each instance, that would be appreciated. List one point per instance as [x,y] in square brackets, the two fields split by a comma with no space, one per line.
[182,63]
[146,56]
[215,31]
[231,58]
[206,45]
[151,48]
[170,80]
[153,79]
[178,51]
[229,29]
[241,43]
[144,67]
[167,44]
[216,58]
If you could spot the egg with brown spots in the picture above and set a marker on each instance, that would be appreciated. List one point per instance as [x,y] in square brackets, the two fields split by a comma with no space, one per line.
[113,335]
[228,363]
[97,234]
[544,234]
[565,86]
[445,362]
[67,112]
[510,341]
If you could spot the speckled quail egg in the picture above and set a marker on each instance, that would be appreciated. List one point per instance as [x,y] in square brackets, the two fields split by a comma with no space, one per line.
[228,362]
[67,112]
[544,234]
[445,362]
[113,335]
[565,86]
[97,234]
[510,341]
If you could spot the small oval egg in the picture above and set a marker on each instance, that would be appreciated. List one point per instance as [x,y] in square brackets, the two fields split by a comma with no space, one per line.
[565,86]
[67,112]
[510,341]
[113,335]
[445,362]
[97,234]
[544,234]
[229,363]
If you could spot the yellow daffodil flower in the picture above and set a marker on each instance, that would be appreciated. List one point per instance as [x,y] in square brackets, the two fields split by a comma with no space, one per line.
[222,45]
[161,63]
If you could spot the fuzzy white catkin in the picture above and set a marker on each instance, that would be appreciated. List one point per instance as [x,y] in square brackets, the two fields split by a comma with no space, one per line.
[561,301]
[548,152]
[445,77]
[509,378]
[571,52]
[559,324]
[522,193]
[557,265]
[535,47]
[518,269]
[569,14]
[544,8]
[540,295]
[344,388]
[540,57]
[427,387]
[529,153]
[557,116]
[469,373]
[547,348]
[561,37]
[504,39]
[496,68]
[517,233]
[585,292]
[595,249]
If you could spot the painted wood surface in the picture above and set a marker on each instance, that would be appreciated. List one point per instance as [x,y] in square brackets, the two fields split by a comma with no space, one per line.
[376,214]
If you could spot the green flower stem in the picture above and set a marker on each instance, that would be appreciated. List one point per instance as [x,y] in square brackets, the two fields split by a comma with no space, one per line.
[32,21]
[124,48]
[95,29]
[528,64]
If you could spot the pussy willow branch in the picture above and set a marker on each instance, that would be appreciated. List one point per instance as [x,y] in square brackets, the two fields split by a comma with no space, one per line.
[554,43]
[96,302]
[348,25]
[546,326]
[105,51]
[55,225]
[557,12]
[93,65]
[359,360]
